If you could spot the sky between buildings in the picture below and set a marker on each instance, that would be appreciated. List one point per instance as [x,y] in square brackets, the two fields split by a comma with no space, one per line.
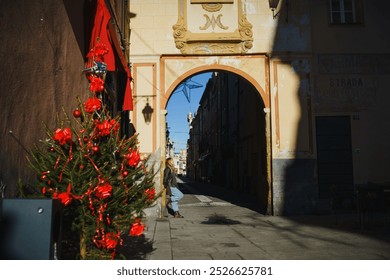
[184,100]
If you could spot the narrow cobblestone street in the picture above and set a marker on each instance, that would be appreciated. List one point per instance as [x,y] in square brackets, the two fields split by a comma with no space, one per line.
[227,227]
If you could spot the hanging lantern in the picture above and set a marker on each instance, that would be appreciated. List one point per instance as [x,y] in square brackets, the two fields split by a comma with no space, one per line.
[147,112]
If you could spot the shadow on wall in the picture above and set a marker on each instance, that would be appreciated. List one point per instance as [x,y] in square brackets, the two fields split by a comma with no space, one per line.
[295,189]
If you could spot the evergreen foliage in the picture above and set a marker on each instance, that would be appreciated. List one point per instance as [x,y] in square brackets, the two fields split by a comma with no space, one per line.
[99,176]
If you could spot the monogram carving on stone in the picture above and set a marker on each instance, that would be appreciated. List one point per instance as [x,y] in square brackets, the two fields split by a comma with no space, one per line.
[195,36]
[213,22]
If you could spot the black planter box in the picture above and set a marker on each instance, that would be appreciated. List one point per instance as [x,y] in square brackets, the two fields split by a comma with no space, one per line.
[30,229]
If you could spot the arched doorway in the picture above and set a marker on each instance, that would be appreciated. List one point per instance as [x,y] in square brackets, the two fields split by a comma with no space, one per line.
[155,83]
[227,143]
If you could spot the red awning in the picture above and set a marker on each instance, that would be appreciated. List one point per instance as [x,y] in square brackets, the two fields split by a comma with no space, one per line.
[105,32]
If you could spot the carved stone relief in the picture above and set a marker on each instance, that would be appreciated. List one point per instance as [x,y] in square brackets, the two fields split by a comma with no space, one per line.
[212,27]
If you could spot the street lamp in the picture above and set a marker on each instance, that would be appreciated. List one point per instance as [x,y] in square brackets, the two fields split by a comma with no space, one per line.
[147,112]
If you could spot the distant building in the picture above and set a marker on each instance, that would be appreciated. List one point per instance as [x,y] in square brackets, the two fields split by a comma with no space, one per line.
[180,160]
[226,144]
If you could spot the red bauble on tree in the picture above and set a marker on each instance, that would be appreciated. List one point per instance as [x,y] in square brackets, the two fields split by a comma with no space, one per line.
[77,113]
[95,149]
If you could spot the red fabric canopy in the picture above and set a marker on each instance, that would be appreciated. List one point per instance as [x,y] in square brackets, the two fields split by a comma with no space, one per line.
[104,32]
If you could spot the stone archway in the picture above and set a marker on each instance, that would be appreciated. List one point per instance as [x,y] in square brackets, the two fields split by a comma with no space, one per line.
[254,69]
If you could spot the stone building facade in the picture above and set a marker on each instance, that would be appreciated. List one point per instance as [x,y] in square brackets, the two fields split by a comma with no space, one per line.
[227,145]
[319,67]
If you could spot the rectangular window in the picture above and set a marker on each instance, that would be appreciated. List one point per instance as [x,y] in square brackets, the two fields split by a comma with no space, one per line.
[345,12]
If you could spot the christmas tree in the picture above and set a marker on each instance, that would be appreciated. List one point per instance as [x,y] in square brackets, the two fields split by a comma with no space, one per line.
[99,176]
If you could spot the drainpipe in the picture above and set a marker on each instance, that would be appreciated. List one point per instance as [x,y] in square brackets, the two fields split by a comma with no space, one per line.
[268,137]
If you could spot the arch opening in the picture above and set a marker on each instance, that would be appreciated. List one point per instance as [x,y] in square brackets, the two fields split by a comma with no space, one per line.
[225,141]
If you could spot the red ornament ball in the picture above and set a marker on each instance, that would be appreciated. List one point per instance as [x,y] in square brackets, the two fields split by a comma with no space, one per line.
[77,113]
[125,173]
[95,149]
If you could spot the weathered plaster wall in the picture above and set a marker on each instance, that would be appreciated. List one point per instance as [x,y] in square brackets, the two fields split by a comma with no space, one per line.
[40,74]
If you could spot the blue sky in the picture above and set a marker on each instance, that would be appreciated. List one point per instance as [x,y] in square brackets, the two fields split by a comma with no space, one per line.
[178,108]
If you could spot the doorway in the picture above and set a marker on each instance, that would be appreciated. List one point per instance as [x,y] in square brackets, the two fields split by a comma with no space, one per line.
[334,154]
